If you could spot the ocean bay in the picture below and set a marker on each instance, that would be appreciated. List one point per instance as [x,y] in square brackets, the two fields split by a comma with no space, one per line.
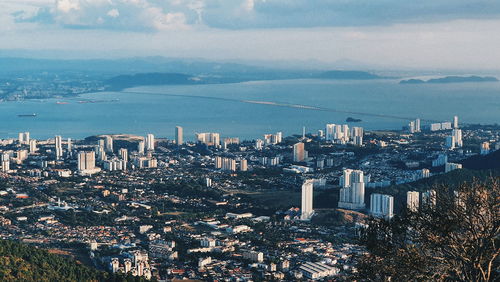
[245,110]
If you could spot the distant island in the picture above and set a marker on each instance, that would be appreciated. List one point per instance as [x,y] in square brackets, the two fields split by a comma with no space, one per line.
[451,79]
[126,81]
[340,74]
[121,82]
[351,119]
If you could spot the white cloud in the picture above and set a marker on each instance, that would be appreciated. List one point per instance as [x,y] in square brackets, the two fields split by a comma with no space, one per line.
[66,6]
[114,13]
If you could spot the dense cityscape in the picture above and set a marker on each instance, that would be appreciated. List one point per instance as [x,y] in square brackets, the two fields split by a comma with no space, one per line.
[220,208]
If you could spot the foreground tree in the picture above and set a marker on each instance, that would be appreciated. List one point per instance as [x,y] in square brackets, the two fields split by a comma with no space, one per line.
[454,236]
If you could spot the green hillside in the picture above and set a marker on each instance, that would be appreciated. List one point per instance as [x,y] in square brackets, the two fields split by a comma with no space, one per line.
[21,262]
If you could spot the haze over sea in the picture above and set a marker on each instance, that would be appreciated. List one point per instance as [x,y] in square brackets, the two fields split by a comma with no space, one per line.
[158,109]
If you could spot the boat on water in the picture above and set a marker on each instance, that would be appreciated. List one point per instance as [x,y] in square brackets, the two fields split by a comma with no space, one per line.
[27,115]
[62,103]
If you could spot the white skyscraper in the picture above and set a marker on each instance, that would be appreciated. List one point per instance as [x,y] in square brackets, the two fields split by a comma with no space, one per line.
[412,200]
[382,205]
[455,122]
[307,201]
[5,162]
[108,144]
[228,164]
[243,165]
[357,136]
[59,149]
[33,146]
[417,125]
[123,154]
[140,147]
[179,136]
[70,147]
[411,127]
[86,161]
[150,142]
[457,135]
[210,139]
[352,191]
[329,132]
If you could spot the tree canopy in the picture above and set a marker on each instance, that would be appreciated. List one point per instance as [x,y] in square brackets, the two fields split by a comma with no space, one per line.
[453,237]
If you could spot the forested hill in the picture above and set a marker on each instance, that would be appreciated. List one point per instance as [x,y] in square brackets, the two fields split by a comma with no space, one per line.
[21,262]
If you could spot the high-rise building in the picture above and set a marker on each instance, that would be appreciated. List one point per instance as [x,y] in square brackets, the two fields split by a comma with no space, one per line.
[298,152]
[69,145]
[352,191]
[33,146]
[455,122]
[382,205]
[108,143]
[179,136]
[150,142]
[59,149]
[306,207]
[243,165]
[429,198]
[329,132]
[457,135]
[5,161]
[357,136]
[450,142]
[228,164]
[412,200]
[258,144]
[411,127]
[417,125]
[123,154]
[140,147]
[209,139]
[86,161]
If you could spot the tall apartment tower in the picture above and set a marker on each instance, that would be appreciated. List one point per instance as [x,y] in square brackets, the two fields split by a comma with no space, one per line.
[412,200]
[123,154]
[59,149]
[455,122]
[298,152]
[140,147]
[86,161]
[457,135]
[179,135]
[352,191]
[307,201]
[382,205]
[108,144]
[33,146]
[150,142]
[243,165]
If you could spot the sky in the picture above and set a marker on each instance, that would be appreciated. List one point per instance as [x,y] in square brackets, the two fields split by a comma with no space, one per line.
[425,34]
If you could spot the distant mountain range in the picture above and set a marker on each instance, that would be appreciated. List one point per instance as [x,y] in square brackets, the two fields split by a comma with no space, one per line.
[451,79]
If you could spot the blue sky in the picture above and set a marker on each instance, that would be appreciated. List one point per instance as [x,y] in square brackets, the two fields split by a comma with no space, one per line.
[462,34]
